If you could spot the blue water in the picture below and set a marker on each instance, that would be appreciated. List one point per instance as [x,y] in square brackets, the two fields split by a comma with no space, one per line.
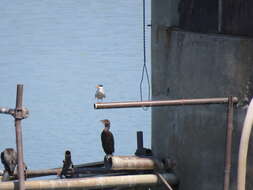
[60,50]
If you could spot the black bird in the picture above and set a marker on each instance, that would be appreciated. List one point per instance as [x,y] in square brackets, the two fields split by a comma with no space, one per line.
[9,160]
[67,165]
[107,138]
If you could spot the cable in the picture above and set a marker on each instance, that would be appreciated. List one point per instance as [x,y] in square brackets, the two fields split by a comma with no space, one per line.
[144,68]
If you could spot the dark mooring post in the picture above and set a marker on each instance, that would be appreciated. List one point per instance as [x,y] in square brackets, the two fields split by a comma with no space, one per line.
[139,140]
[18,117]
[139,150]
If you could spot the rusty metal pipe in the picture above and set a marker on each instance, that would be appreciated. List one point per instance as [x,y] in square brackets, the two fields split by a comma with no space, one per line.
[131,163]
[229,139]
[56,171]
[19,143]
[132,104]
[4,110]
[89,170]
[92,182]
[37,173]
[40,173]
[105,171]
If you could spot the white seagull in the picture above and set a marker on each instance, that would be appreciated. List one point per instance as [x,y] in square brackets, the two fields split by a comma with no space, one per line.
[100,93]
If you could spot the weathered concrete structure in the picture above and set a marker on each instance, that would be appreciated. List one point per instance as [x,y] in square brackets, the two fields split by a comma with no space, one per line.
[192,59]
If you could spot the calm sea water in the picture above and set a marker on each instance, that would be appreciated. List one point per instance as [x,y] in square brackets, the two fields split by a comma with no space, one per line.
[60,50]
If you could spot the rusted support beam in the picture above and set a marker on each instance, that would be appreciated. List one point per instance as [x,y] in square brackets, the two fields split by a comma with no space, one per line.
[180,102]
[19,142]
[92,182]
[229,139]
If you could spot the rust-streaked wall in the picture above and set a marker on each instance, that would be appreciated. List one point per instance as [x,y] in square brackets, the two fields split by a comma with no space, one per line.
[189,64]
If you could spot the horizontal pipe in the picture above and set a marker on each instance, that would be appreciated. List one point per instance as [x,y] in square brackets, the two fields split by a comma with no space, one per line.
[56,171]
[4,110]
[10,111]
[130,163]
[37,173]
[90,164]
[40,173]
[92,182]
[105,171]
[88,170]
[132,104]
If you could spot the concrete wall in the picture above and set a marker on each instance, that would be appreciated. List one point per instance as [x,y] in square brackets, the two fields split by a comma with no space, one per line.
[204,16]
[195,65]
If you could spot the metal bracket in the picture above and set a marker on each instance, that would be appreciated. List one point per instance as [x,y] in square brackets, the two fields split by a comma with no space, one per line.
[20,114]
[16,113]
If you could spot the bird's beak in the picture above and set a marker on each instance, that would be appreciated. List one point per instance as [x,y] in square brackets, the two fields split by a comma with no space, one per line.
[97,86]
[102,121]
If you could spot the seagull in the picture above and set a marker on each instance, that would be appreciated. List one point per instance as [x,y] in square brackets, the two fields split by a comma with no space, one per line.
[100,93]
[107,138]
[9,160]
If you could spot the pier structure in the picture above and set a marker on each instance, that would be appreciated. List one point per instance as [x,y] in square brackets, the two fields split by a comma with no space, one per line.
[201,49]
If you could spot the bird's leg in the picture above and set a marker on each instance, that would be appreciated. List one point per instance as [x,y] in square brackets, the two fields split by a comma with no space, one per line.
[6,176]
[62,170]
[25,171]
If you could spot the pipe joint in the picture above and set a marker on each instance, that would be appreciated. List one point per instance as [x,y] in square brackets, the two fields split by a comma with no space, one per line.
[20,114]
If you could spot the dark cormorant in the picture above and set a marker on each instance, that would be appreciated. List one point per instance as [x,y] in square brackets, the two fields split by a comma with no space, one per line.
[67,165]
[9,160]
[107,138]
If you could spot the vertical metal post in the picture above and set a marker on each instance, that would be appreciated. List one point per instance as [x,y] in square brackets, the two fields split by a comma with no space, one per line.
[220,15]
[18,128]
[139,140]
[229,144]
